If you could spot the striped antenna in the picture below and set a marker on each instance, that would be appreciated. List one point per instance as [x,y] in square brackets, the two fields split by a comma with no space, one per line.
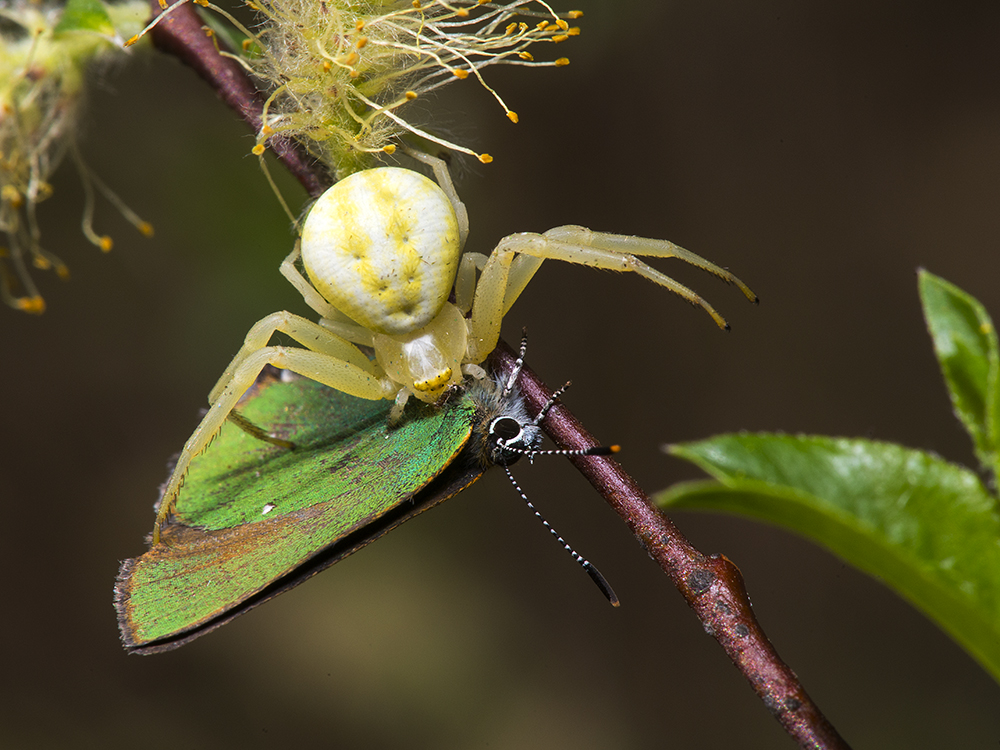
[513,437]
[592,571]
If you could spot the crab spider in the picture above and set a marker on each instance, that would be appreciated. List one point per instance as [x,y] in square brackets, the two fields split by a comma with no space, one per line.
[382,250]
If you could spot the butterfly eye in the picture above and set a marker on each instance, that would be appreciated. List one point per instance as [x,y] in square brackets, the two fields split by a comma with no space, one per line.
[505,428]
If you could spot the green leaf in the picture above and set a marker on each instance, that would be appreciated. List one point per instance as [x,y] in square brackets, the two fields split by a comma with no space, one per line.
[965,342]
[85,15]
[929,528]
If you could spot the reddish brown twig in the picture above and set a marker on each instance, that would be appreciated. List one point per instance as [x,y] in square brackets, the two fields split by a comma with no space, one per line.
[182,35]
[711,584]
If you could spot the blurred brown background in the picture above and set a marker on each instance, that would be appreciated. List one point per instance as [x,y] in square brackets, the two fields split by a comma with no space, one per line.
[822,151]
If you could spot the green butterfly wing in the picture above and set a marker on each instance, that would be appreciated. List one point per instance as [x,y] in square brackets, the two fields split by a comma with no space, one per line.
[254,519]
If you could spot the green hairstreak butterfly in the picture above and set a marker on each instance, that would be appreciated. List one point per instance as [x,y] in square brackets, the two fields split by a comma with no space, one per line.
[254,519]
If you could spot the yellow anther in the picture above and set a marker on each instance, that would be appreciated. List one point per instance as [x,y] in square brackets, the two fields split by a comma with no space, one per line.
[208,32]
[258,149]
[43,264]
[389,148]
[560,38]
[512,116]
[562,62]
[163,4]
[266,130]
[485,158]
[145,228]
[246,44]
[379,120]
[202,3]
[573,31]
[105,244]
[131,40]
[34,305]
[575,14]
[12,195]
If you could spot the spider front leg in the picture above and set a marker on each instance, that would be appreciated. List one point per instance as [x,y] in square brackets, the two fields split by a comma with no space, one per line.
[516,259]
[319,365]
[311,335]
[331,317]
[503,276]
[616,252]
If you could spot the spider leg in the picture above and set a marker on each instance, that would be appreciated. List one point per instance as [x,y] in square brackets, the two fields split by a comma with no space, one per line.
[332,318]
[503,277]
[331,371]
[465,280]
[310,335]
[518,256]
[443,177]
[627,245]
[252,429]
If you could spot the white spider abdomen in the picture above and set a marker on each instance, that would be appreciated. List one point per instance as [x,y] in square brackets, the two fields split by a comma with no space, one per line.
[382,246]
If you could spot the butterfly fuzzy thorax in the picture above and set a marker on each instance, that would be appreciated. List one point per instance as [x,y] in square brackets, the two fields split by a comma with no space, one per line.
[383,246]
[503,430]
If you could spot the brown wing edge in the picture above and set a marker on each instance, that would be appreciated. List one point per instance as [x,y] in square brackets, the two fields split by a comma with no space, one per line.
[455,478]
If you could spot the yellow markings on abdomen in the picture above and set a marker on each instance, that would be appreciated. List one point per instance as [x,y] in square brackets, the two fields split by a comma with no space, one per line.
[382,247]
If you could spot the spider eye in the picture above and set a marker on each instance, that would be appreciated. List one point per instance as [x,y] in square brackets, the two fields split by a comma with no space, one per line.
[505,428]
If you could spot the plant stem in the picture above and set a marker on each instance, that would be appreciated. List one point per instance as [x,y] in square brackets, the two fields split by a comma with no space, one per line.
[182,35]
[711,584]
